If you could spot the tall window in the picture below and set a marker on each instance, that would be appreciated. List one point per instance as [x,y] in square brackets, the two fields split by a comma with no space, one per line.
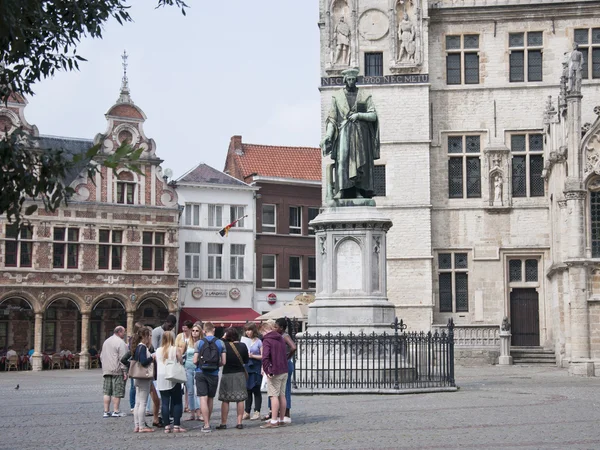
[595,222]
[312,213]
[527,165]
[464,167]
[453,282]
[312,272]
[589,45]
[153,250]
[374,64]
[192,260]
[268,219]
[215,215]
[236,267]
[215,261]
[526,52]
[523,270]
[295,220]
[379,180]
[462,59]
[110,249]
[295,272]
[18,247]
[235,213]
[192,215]
[65,248]
[268,271]
[125,192]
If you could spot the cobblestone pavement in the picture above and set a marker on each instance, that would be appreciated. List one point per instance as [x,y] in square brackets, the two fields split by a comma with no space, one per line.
[495,408]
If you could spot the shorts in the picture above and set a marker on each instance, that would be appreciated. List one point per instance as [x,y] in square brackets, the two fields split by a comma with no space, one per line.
[276,385]
[206,385]
[114,386]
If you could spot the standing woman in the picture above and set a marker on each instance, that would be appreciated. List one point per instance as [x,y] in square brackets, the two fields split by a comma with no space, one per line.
[188,347]
[140,343]
[254,376]
[170,391]
[136,329]
[233,380]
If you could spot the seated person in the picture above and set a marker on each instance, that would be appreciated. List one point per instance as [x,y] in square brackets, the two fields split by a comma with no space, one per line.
[31,352]
[11,352]
[92,351]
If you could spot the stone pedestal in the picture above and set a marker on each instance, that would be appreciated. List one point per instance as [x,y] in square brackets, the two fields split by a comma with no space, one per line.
[351,291]
[505,359]
[581,368]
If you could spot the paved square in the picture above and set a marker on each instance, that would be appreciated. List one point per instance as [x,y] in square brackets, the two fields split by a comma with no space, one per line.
[495,408]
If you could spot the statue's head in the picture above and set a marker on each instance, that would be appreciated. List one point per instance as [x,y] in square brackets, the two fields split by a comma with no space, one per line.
[575,46]
[342,19]
[350,77]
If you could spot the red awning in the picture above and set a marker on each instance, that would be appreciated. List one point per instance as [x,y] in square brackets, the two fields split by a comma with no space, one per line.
[220,317]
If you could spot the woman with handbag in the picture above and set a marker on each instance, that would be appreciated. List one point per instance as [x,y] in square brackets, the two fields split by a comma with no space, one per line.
[233,380]
[168,357]
[141,373]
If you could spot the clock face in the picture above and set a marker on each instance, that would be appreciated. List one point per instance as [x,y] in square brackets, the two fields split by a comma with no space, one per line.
[373,25]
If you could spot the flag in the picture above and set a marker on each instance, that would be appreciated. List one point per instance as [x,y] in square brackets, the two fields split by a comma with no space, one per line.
[225,230]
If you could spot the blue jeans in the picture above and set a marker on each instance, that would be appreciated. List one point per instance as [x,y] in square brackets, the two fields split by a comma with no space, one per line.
[193,403]
[132,394]
[171,400]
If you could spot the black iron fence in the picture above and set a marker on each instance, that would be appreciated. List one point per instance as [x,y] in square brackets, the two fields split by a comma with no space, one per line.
[393,362]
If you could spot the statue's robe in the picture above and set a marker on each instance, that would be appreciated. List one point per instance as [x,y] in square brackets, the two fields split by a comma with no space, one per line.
[355,145]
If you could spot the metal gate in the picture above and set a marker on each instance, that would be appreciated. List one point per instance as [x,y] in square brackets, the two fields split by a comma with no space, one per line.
[525,318]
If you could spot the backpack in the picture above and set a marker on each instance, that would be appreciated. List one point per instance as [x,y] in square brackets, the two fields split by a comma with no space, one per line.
[209,355]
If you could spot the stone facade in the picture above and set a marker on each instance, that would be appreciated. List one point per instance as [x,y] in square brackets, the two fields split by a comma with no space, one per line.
[465,143]
[108,258]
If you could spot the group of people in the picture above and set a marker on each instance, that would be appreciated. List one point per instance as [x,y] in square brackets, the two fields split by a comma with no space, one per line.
[235,366]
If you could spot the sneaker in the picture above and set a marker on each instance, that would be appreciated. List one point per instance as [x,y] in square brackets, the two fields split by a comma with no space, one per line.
[106,415]
[270,424]
[118,414]
[246,416]
[287,419]
[206,429]
[255,415]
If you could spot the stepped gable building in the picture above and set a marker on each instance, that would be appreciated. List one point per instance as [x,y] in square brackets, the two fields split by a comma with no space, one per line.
[216,263]
[289,179]
[108,258]
[490,182]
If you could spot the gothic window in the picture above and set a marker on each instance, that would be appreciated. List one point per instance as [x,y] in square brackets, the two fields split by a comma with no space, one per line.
[464,167]
[462,59]
[589,45]
[527,165]
[595,223]
[523,270]
[526,53]
[453,282]
[374,64]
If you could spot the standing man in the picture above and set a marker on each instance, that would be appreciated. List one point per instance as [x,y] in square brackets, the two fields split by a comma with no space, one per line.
[275,366]
[352,139]
[342,37]
[114,372]
[208,357]
[158,332]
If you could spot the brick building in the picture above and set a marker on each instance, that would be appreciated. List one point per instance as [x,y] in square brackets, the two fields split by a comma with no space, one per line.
[289,179]
[108,258]
[491,217]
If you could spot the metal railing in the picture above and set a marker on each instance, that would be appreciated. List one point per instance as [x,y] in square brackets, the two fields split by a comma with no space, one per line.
[391,362]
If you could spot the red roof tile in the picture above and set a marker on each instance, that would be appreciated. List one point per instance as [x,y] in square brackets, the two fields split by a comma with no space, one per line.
[302,163]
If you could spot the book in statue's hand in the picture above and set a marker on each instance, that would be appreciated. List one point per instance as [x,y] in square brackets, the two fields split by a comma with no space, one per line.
[361,107]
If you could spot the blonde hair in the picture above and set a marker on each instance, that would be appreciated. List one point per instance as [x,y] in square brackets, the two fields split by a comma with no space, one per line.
[209,327]
[168,341]
[267,326]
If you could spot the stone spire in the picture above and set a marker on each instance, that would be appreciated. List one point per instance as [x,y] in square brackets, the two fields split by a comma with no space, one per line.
[124,97]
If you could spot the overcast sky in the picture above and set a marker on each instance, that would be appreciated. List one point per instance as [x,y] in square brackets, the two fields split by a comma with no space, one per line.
[228,67]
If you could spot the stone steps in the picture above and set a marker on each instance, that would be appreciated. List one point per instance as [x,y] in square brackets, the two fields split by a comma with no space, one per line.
[533,356]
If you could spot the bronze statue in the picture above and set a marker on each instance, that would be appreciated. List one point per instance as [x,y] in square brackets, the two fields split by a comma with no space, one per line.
[352,139]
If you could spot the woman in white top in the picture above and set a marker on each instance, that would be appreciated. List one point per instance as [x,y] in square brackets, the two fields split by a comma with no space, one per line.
[170,391]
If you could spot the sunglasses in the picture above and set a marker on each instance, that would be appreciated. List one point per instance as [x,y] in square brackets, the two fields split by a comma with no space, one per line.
[196,331]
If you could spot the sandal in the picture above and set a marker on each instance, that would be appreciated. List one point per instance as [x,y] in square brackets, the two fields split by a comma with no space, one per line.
[177,429]
[221,427]
[136,430]
[186,410]
[146,430]
[167,429]
[191,419]
[239,426]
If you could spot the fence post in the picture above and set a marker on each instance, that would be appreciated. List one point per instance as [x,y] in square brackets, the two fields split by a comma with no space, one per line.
[395,327]
[451,351]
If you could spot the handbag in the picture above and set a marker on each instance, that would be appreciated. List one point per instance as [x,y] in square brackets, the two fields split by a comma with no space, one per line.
[174,371]
[137,371]
[240,358]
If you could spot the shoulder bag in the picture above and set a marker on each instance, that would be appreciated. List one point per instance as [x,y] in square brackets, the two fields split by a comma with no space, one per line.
[174,371]
[137,371]
[235,350]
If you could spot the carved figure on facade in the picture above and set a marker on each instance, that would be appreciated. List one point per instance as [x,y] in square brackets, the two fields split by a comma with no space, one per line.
[505,324]
[322,242]
[407,44]
[592,164]
[497,190]
[342,43]
[376,244]
[575,73]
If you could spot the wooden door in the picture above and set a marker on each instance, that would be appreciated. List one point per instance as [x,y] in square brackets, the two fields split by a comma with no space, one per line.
[525,318]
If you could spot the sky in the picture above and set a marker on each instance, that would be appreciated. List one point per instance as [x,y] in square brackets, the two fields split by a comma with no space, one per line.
[234,67]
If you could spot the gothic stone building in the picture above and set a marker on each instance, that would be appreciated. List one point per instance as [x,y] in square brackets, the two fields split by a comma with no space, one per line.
[108,258]
[492,184]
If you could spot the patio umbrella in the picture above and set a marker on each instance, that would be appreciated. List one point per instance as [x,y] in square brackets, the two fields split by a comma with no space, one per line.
[292,310]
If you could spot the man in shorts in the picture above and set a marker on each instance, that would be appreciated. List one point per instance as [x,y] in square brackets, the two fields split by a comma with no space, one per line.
[207,379]
[275,366]
[114,372]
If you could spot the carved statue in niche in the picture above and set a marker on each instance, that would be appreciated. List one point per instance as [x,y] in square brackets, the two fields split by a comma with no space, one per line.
[496,160]
[497,190]
[342,43]
[575,62]
[407,45]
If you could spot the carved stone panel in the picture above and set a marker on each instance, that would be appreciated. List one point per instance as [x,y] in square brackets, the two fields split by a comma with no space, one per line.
[341,23]
[406,37]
